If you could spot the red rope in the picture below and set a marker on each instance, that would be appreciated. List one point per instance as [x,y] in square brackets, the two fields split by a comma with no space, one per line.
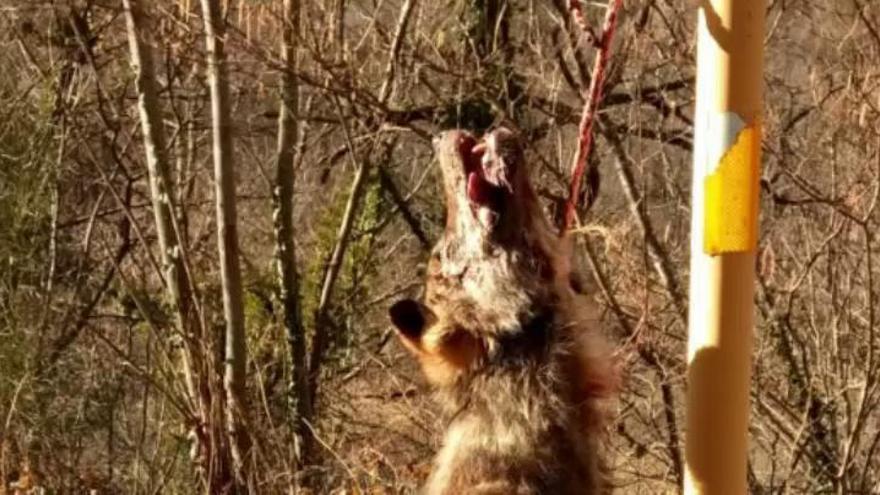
[591,106]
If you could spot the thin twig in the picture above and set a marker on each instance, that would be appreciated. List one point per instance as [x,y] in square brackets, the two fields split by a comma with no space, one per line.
[662,262]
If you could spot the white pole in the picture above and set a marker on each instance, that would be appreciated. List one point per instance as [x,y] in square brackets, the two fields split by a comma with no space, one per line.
[727,149]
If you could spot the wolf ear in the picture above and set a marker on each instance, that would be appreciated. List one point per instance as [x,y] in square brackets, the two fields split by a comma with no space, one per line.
[410,318]
[443,350]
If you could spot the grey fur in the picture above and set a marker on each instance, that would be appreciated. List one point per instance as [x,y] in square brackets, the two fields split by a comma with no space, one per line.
[508,344]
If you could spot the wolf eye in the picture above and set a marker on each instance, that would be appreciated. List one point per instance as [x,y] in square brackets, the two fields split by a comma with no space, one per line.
[409,317]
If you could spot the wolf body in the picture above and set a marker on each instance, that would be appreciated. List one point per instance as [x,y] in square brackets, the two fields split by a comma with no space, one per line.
[503,335]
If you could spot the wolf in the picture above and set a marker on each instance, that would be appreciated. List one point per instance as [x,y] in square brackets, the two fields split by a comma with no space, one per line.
[503,334]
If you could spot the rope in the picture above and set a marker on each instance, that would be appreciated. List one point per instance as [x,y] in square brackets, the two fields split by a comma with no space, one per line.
[593,100]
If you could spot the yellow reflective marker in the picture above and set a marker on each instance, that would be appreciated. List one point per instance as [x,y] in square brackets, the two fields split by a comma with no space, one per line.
[731,200]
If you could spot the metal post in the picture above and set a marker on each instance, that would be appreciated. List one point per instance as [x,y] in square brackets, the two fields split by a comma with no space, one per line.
[727,156]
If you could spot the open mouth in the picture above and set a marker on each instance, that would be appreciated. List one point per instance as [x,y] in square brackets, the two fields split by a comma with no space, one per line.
[486,173]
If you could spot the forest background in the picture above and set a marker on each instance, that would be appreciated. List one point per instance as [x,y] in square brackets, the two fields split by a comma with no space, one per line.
[206,208]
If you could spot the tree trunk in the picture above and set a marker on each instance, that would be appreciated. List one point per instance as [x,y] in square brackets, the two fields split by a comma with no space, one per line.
[227,241]
[322,319]
[285,254]
[175,276]
[331,272]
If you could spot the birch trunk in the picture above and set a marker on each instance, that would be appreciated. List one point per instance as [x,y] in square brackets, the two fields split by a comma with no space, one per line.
[227,240]
[161,186]
[285,255]
[162,195]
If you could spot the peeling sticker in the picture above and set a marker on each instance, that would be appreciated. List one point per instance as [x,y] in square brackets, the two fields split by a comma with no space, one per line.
[731,190]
